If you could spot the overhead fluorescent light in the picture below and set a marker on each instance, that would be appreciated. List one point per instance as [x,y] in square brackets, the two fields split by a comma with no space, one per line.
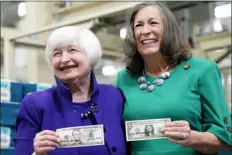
[217,26]
[123,33]
[108,70]
[229,79]
[219,51]
[22,9]
[222,11]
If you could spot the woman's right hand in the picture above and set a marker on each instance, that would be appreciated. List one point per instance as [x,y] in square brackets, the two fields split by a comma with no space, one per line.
[45,141]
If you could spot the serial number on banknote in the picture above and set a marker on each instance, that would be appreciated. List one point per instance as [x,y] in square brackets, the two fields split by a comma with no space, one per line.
[81,136]
[145,129]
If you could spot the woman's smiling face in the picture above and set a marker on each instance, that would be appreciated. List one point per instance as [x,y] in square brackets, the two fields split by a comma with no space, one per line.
[69,62]
[148,30]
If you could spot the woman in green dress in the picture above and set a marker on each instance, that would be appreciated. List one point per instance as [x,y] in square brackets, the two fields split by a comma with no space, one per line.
[163,80]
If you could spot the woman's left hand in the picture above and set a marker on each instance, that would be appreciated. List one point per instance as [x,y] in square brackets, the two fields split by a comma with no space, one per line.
[178,132]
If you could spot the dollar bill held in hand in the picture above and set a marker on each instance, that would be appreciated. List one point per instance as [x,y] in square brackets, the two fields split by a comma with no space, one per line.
[145,129]
[81,136]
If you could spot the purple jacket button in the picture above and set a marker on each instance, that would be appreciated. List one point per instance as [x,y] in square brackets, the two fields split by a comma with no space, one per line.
[96,110]
[113,149]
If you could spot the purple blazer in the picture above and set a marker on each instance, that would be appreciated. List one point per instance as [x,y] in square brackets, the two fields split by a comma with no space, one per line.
[53,108]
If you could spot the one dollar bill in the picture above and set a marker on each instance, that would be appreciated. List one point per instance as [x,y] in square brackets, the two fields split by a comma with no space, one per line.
[81,136]
[145,129]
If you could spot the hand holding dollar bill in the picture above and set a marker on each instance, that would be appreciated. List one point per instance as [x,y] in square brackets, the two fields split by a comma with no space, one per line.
[145,129]
[81,136]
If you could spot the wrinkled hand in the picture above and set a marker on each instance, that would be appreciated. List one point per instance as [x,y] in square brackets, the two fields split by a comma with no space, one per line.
[179,132]
[45,141]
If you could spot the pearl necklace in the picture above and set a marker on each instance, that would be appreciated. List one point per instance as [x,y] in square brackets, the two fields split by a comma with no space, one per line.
[146,85]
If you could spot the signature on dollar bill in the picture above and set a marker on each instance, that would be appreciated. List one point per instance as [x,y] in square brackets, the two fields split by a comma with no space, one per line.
[81,136]
[145,129]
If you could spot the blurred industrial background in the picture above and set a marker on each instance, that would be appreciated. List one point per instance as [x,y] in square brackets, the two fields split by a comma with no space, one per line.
[25,27]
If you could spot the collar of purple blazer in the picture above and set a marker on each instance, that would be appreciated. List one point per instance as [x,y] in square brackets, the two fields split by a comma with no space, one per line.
[65,93]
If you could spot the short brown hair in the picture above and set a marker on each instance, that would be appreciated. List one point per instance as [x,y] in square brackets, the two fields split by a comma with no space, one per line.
[173,47]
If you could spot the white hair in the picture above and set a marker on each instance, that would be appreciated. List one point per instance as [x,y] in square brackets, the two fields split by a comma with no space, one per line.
[72,35]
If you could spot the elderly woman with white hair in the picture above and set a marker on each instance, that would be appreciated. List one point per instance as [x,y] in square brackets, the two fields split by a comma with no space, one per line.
[77,100]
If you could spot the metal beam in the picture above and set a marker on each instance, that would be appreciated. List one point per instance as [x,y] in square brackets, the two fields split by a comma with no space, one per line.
[218,60]
[114,7]
[9,64]
[88,24]
[183,5]
[111,54]
[227,68]
[217,48]
[30,43]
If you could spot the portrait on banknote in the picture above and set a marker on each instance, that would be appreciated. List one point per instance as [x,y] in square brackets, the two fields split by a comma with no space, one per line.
[66,139]
[81,136]
[91,135]
[76,137]
[149,130]
[145,129]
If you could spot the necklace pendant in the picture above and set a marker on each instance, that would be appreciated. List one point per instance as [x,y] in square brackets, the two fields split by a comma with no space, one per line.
[165,75]
[159,82]
[141,80]
[155,81]
[150,88]
[143,86]
[86,114]
[148,83]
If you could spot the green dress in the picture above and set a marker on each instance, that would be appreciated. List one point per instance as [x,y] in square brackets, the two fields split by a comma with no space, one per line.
[193,92]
